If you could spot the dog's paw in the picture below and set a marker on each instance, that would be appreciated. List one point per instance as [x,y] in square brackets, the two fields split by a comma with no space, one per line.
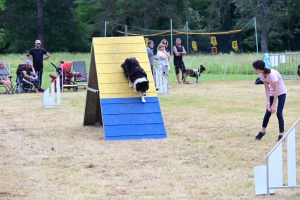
[130,85]
[135,91]
[144,93]
[143,99]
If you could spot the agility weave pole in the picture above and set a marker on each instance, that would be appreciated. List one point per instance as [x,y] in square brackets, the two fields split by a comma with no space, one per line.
[109,100]
[161,83]
[49,99]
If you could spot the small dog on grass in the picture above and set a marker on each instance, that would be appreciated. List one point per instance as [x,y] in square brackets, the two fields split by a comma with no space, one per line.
[196,73]
[136,76]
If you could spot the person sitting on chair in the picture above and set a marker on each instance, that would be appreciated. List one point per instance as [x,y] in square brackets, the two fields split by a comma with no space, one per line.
[4,76]
[28,73]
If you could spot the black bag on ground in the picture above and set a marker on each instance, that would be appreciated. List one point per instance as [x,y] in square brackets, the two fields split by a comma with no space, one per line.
[258,81]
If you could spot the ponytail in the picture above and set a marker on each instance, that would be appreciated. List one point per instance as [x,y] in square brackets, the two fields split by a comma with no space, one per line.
[267,71]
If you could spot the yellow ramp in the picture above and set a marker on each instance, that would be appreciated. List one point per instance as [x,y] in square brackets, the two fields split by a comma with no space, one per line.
[110,53]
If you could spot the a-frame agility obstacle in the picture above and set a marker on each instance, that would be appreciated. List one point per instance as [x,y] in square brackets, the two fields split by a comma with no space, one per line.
[109,100]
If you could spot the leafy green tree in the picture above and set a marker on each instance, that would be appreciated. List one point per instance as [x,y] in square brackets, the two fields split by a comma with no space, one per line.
[78,20]
[277,21]
[19,19]
[145,14]
[2,4]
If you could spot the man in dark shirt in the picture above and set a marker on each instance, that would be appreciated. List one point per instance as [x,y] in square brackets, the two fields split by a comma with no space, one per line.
[29,74]
[37,56]
[179,51]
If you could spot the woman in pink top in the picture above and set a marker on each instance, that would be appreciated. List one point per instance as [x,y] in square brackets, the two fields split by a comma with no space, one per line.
[275,89]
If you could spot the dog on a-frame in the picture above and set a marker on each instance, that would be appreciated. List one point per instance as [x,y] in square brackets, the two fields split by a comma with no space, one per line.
[136,76]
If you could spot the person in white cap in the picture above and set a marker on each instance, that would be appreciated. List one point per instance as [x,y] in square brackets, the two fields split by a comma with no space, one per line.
[29,75]
[37,55]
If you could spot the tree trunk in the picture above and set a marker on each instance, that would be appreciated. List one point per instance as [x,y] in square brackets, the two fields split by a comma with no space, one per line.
[145,6]
[40,21]
[145,18]
[264,27]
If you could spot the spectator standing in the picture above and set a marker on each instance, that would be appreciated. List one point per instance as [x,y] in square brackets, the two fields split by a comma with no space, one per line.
[149,49]
[166,43]
[37,55]
[179,51]
[163,60]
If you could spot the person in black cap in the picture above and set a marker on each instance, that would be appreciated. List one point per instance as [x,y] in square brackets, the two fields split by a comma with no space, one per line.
[29,75]
[37,55]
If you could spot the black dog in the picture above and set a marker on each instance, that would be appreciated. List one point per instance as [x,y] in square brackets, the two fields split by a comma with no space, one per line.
[196,73]
[136,76]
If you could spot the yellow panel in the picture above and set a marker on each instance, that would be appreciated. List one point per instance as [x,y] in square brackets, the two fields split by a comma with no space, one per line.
[120,88]
[118,48]
[213,41]
[114,78]
[194,46]
[118,40]
[235,45]
[127,95]
[146,41]
[120,58]
[110,53]
[116,68]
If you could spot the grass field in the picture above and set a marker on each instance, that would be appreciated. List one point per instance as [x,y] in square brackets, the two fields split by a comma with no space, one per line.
[209,153]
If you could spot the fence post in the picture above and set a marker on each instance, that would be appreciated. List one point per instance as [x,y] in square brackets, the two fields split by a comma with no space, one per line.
[171,33]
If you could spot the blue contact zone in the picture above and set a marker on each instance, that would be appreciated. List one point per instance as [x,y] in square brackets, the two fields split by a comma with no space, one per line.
[130,119]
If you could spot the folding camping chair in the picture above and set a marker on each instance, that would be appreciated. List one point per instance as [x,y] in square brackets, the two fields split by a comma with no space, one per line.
[79,66]
[12,87]
[12,84]
[23,86]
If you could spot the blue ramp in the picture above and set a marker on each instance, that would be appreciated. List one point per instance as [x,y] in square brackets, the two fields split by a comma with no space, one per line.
[130,119]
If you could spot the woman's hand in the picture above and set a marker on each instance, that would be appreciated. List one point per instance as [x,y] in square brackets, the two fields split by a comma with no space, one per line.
[273,109]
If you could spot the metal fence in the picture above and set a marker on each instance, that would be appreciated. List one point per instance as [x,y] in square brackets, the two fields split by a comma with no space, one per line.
[286,64]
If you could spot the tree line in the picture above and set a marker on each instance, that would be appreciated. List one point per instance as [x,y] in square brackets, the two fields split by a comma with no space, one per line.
[69,25]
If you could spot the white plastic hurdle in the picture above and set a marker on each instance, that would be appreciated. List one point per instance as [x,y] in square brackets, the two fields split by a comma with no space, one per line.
[49,95]
[161,83]
[270,177]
